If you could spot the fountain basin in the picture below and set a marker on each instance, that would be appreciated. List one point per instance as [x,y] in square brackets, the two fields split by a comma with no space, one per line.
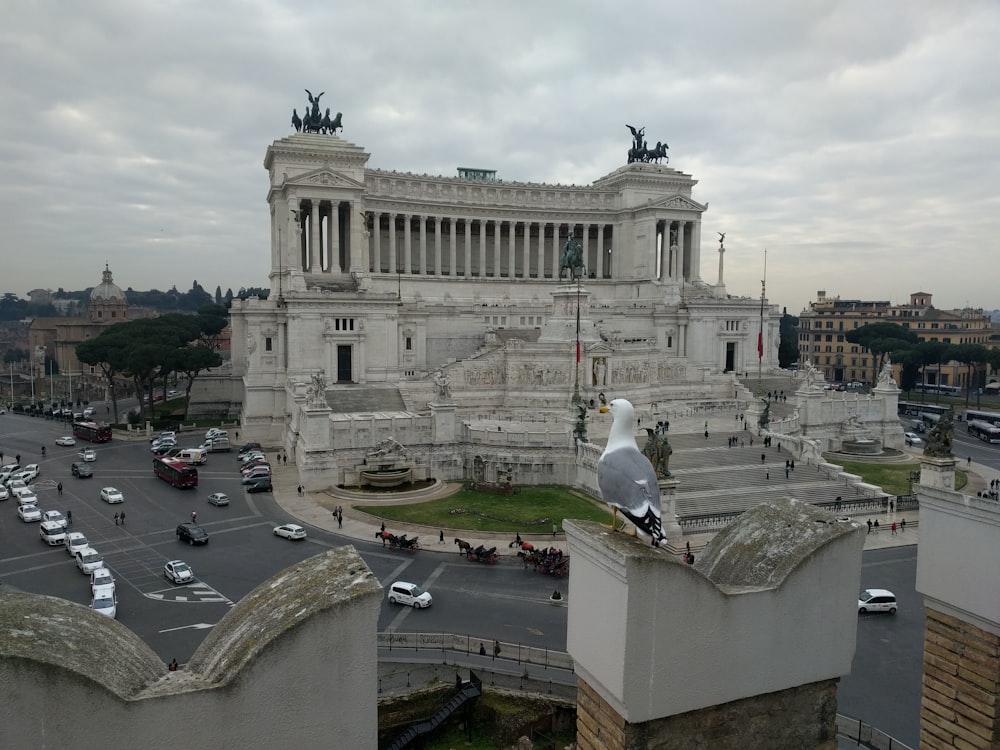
[386,478]
[862,447]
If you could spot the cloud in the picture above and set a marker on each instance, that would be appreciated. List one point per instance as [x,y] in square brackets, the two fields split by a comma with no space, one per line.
[852,140]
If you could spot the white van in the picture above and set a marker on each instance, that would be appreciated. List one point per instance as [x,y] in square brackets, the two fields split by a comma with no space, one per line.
[89,412]
[192,455]
[52,533]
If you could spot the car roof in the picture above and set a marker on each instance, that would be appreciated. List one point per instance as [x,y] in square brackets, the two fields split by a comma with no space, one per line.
[176,562]
[880,592]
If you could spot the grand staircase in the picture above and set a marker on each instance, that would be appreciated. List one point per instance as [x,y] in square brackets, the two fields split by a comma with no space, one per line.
[353,399]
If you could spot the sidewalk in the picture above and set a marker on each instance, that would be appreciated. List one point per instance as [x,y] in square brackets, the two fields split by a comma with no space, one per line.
[316,509]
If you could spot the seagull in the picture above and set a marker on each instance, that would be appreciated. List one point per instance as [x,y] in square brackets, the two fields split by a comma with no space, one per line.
[626,478]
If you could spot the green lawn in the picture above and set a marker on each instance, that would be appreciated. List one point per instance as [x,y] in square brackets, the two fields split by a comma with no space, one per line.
[893,478]
[532,510]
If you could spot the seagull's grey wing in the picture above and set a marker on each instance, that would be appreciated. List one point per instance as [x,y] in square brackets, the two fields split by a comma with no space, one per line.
[627,480]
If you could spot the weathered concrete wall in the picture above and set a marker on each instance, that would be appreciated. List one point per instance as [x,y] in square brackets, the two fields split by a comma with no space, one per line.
[749,611]
[298,645]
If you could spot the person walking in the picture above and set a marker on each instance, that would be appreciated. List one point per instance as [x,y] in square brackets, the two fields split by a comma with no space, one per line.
[786,472]
[340,520]
[116,519]
[59,488]
[554,529]
[194,516]
[902,526]
[441,536]
[893,527]
[869,526]
[121,517]
[763,457]
[876,525]
[69,517]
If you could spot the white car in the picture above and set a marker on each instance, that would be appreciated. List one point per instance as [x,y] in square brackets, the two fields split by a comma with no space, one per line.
[214,432]
[912,438]
[87,454]
[101,579]
[17,485]
[218,498]
[25,496]
[65,440]
[402,592]
[88,560]
[4,492]
[54,516]
[178,571]
[105,602]
[75,541]
[290,531]
[52,533]
[29,513]
[30,472]
[876,600]
[112,496]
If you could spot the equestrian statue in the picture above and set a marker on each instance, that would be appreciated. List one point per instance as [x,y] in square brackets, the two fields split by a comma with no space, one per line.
[571,259]
[640,153]
[314,122]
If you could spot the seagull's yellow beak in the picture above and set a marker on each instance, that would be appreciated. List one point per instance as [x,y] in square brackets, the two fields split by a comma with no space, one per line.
[603,410]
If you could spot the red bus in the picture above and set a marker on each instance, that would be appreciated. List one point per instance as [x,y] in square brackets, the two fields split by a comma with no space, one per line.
[177,473]
[92,431]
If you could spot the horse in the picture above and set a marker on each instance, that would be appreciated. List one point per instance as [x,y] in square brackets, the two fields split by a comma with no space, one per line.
[463,546]
[296,121]
[334,125]
[571,258]
[385,536]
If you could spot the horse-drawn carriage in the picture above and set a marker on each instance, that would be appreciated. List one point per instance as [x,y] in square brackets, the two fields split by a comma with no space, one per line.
[550,561]
[477,554]
[398,542]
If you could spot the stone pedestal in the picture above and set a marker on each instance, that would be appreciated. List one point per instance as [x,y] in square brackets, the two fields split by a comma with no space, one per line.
[668,509]
[937,472]
[666,651]
[443,422]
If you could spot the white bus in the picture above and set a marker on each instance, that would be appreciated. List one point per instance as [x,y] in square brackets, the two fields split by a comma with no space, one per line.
[985,431]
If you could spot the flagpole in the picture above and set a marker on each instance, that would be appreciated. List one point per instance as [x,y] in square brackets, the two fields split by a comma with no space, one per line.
[760,334]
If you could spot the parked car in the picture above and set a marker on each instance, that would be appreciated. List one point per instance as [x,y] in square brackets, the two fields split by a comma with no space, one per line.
[218,498]
[4,492]
[166,434]
[54,516]
[101,579]
[912,438]
[192,533]
[24,496]
[87,454]
[81,471]
[178,571]
[401,592]
[52,533]
[65,440]
[74,542]
[876,600]
[215,432]
[105,602]
[112,496]
[290,531]
[259,485]
[30,472]
[88,560]
[249,447]
[29,513]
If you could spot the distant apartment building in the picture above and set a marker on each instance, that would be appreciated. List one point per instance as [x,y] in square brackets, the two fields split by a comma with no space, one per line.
[824,325]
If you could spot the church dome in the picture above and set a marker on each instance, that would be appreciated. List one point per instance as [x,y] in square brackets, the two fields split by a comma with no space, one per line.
[107,289]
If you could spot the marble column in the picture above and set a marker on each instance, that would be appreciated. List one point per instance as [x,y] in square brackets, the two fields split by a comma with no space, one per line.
[422,255]
[333,241]
[467,226]
[511,240]
[497,267]
[393,259]
[407,245]
[315,252]
[376,246]
[696,250]
[554,251]
[437,245]
[452,247]
[482,248]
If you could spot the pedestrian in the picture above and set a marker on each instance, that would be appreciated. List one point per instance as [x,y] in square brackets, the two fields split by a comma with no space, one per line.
[496,649]
[876,525]
[383,527]
[791,464]
[237,436]
[121,517]
[285,461]
[172,666]
[554,529]
[892,506]
[869,526]
[441,536]
[69,516]
[751,441]
[786,472]
[340,520]
[116,519]
[482,649]
[787,464]
[893,527]
[17,459]
[300,490]
[706,434]
[59,488]
[969,460]
[767,474]
[902,526]
[763,457]
[687,546]
[194,516]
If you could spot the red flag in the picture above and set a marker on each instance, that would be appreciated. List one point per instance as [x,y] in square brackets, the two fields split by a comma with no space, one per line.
[578,351]
[760,344]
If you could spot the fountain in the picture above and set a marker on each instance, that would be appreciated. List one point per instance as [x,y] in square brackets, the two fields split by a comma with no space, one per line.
[856,439]
[389,464]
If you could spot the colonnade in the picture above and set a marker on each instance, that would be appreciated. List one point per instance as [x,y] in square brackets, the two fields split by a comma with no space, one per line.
[323,228]
[677,256]
[490,248]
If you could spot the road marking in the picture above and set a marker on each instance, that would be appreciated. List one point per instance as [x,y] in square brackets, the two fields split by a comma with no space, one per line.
[196,626]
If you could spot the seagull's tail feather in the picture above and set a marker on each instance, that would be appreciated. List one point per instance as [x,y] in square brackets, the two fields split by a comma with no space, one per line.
[648,524]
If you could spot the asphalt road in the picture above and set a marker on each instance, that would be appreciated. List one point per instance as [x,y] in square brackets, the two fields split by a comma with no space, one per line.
[502,601]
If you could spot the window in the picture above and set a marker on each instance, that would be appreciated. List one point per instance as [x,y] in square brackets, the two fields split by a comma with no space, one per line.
[114,313]
[840,337]
[409,343]
[670,342]
[829,337]
[268,345]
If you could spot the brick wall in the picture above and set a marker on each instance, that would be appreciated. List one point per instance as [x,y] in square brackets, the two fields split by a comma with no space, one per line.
[960,706]
[800,718]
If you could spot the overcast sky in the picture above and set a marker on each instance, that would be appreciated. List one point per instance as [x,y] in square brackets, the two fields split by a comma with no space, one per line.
[857,141]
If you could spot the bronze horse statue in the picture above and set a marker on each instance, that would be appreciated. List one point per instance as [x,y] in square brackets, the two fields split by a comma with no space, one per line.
[571,259]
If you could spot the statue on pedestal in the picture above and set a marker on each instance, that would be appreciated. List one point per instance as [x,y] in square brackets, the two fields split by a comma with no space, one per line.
[571,258]
[938,443]
[443,384]
[316,392]
[657,449]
